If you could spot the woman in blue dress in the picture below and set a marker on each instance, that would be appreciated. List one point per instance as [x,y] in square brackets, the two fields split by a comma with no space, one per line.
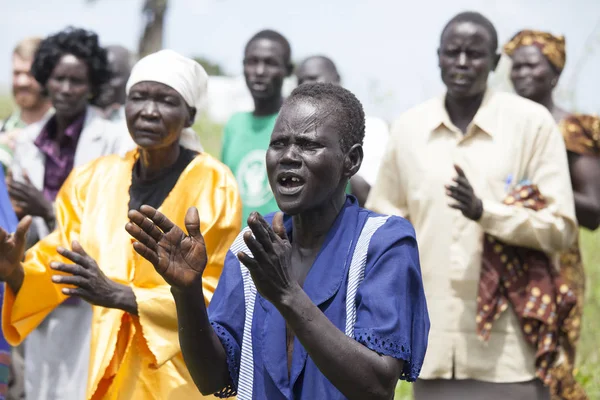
[322,301]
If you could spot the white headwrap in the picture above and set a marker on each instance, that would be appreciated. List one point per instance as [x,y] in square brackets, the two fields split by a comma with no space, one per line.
[184,75]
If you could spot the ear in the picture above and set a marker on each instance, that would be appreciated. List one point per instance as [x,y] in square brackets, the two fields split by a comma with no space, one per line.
[496,60]
[192,117]
[439,55]
[289,69]
[353,160]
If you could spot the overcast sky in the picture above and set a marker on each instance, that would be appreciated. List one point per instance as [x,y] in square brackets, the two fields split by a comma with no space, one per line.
[385,50]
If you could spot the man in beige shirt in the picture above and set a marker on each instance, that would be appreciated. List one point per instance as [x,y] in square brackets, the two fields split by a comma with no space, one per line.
[449,165]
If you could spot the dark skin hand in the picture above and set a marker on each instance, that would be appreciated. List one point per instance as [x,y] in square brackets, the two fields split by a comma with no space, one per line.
[90,282]
[585,177]
[28,200]
[466,201]
[181,260]
[12,249]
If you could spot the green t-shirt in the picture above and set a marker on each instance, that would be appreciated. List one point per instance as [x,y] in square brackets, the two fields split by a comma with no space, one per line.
[245,142]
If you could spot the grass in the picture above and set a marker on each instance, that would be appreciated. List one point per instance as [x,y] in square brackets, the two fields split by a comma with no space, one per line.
[589,347]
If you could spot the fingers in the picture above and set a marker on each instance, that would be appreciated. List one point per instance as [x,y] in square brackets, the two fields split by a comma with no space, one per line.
[74,280]
[261,235]
[26,178]
[146,252]
[3,235]
[158,218]
[138,234]
[22,228]
[73,269]
[459,171]
[76,292]
[248,261]
[78,257]
[279,227]
[257,250]
[192,222]
[460,194]
[18,191]
[146,225]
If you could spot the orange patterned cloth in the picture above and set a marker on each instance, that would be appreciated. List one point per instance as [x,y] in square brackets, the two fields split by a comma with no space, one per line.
[582,134]
[553,47]
[525,280]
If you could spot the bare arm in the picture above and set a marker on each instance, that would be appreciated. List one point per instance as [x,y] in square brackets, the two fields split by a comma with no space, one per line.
[337,355]
[585,177]
[202,350]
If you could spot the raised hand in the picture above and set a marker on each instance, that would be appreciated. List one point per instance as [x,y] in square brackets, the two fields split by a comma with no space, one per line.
[271,258]
[179,258]
[462,191]
[12,249]
[90,282]
[28,200]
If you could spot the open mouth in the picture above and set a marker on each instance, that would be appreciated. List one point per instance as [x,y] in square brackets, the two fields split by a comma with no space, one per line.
[290,183]
[259,86]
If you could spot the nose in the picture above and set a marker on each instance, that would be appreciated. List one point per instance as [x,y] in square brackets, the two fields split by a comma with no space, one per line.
[290,156]
[462,59]
[260,68]
[22,79]
[150,110]
[65,86]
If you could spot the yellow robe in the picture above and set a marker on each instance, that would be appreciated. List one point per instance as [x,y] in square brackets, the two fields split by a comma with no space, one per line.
[132,357]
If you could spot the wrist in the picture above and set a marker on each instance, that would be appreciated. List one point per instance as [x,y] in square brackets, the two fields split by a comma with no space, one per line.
[15,279]
[125,300]
[289,299]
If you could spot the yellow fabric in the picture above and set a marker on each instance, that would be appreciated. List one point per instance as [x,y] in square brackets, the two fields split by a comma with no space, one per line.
[553,47]
[131,357]
[509,137]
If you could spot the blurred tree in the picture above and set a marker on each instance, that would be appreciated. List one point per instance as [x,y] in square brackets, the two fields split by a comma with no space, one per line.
[211,68]
[153,14]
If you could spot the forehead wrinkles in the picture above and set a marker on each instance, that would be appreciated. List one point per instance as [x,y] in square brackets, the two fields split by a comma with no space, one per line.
[307,121]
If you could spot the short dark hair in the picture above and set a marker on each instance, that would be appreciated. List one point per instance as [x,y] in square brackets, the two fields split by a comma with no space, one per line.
[348,111]
[276,37]
[478,19]
[82,44]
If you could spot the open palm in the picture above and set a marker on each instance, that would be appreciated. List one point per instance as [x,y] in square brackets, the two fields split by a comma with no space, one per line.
[12,248]
[179,258]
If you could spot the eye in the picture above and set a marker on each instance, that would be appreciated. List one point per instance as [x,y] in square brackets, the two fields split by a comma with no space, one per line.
[277,143]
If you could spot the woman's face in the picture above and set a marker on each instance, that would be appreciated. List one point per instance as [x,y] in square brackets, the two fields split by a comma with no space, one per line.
[69,86]
[305,161]
[156,114]
[532,74]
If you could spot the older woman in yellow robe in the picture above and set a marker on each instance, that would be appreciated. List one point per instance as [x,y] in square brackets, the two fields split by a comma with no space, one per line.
[134,352]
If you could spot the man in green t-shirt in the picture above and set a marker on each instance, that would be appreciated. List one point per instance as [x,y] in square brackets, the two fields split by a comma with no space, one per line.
[267,62]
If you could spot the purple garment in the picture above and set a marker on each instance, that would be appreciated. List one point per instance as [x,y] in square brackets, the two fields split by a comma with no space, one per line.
[59,156]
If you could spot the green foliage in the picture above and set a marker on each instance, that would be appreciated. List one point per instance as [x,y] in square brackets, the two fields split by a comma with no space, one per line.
[211,68]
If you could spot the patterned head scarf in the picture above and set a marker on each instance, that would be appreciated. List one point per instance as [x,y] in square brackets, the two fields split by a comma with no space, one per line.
[582,134]
[553,47]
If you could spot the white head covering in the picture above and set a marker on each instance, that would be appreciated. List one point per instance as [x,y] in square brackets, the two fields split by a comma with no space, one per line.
[184,75]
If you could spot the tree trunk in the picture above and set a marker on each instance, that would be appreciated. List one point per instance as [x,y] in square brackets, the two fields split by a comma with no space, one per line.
[154,13]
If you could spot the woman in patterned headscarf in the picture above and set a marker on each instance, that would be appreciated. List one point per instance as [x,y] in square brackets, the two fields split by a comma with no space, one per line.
[538,60]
